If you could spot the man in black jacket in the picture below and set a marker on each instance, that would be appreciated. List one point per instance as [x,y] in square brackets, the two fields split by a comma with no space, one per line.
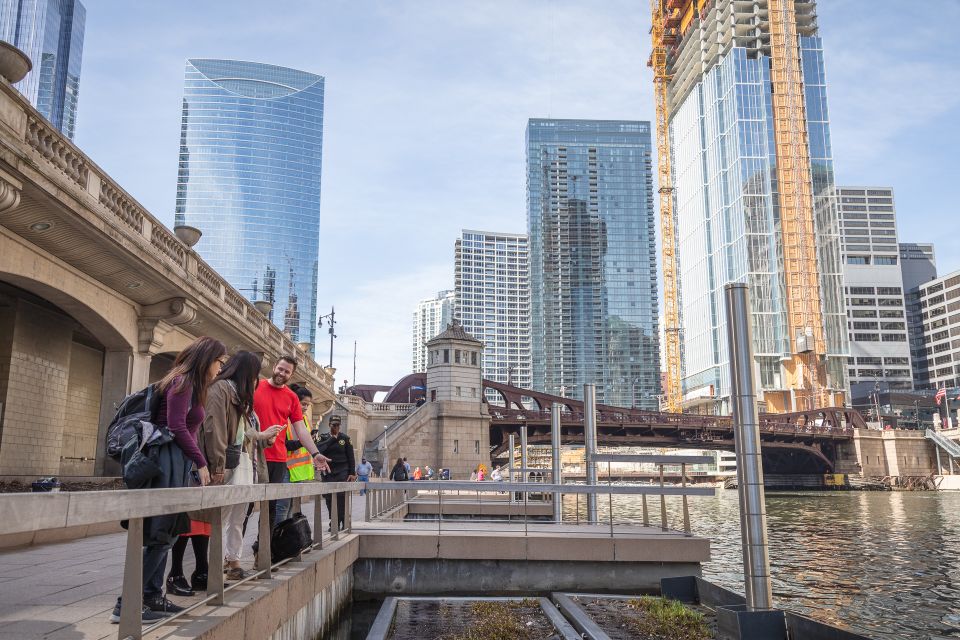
[337,447]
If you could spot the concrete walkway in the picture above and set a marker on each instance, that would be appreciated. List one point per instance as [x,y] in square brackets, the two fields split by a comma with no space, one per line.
[66,591]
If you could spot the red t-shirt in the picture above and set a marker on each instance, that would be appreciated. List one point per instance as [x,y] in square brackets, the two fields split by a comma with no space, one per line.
[276,406]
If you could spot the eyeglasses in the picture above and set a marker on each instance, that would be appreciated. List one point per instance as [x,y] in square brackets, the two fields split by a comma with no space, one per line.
[222,361]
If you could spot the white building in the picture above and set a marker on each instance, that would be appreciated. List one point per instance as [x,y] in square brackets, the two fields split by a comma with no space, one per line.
[940,302]
[874,289]
[493,301]
[431,317]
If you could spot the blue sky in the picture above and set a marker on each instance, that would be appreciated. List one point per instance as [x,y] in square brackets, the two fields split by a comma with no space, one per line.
[426,105]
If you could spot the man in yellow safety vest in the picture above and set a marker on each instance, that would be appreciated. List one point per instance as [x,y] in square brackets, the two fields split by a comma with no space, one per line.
[299,460]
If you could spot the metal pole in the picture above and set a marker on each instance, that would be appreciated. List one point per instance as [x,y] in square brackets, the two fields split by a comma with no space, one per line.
[511,443]
[753,517]
[555,440]
[590,446]
[523,453]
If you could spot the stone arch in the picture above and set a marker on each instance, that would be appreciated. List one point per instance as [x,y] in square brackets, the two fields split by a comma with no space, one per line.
[111,320]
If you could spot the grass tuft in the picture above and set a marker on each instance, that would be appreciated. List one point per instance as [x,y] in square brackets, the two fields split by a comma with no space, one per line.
[667,620]
[499,620]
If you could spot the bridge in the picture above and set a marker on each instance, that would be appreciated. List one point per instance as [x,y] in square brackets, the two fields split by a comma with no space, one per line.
[793,443]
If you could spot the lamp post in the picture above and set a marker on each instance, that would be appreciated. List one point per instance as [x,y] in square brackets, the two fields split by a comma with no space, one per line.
[331,319]
[386,453]
[916,412]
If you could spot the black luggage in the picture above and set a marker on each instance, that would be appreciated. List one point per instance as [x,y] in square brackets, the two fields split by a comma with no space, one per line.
[290,537]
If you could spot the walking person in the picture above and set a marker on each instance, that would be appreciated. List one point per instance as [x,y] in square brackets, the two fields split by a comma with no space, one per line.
[338,448]
[276,405]
[183,392]
[233,445]
[364,469]
[399,472]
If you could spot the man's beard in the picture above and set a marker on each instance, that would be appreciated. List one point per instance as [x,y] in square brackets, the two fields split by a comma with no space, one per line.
[279,381]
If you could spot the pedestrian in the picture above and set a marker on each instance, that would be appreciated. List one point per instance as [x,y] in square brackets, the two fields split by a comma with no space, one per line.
[496,476]
[338,448]
[481,474]
[406,465]
[276,405]
[428,472]
[364,469]
[473,476]
[183,392]
[299,461]
[233,444]
[399,472]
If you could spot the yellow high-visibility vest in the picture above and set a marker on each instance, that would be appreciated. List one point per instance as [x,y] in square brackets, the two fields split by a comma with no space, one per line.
[299,462]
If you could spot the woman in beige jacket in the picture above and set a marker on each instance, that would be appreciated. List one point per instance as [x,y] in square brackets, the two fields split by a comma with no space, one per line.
[233,445]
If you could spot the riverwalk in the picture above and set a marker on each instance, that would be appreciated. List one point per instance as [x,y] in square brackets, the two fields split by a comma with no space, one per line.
[66,590]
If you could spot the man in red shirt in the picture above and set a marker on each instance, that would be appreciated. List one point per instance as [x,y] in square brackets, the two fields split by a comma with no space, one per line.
[275,404]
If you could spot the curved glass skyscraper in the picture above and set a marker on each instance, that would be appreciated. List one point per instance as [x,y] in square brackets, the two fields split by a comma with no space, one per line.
[249,179]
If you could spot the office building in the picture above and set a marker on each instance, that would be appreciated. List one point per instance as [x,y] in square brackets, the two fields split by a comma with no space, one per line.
[752,185]
[50,32]
[918,264]
[430,319]
[493,301]
[940,302]
[873,286]
[249,179]
[593,266]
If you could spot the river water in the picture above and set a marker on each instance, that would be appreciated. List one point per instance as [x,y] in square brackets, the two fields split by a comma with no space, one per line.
[884,564]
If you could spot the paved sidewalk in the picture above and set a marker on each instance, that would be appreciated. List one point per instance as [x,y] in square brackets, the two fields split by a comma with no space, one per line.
[66,591]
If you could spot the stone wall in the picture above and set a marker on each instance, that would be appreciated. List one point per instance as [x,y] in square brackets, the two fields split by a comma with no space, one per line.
[81,432]
[895,453]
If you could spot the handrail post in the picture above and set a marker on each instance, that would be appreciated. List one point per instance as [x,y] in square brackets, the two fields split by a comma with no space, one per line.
[264,559]
[295,506]
[590,446]
[132,603]
[366,505]
[348,516]
[318,521]
[646,513]
[512,442]
[686,509]
[334,517]
[215,573]
[663,503]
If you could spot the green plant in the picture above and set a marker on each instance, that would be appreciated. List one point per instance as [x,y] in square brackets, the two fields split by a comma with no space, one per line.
[667,620]
[499,620]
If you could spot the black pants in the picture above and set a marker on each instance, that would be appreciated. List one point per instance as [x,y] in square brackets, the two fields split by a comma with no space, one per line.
[277,473]
[341,498]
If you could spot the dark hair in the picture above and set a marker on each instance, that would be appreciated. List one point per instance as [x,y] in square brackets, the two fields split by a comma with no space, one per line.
[289,359]
[191,368]
[399,463]
[301,391]
[242,369]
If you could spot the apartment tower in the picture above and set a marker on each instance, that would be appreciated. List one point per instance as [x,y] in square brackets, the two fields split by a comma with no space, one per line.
[747,186]
[593,265]
[430,318]
[492,284]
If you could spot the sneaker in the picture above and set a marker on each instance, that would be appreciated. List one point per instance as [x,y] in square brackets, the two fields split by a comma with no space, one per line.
[160,604]
[146,615]
[235,573]
[178,586]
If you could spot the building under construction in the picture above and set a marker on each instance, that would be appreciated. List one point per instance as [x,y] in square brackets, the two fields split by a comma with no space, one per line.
[746,176]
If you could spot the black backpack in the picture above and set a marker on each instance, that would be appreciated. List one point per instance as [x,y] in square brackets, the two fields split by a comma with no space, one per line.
[290,537]
[125,425]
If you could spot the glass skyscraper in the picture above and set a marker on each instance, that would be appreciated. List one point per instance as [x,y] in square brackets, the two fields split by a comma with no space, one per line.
[50,32]
[593,267]
[249,179]
[734,148]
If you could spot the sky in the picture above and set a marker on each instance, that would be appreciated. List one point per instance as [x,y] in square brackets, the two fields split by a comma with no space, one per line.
[425,110]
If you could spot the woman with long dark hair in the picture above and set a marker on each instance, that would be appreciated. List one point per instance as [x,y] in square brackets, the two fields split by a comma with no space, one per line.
[182,392]
[399,472]
[233,444]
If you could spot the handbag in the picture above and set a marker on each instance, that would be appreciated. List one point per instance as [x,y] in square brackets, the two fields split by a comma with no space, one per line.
[233,456]
[243,473]
[290,537]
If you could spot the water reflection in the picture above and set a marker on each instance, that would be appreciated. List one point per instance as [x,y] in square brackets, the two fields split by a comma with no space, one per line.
[885,564]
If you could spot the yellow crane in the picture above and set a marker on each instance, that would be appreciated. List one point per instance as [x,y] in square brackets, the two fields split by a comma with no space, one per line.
[664,32]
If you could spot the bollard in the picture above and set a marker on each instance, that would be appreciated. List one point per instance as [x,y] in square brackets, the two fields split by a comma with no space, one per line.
[590,446]
[557,471]
[753,518]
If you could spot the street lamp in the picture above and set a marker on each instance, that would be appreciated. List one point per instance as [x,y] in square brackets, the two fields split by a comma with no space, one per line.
[331,319]
[386,453]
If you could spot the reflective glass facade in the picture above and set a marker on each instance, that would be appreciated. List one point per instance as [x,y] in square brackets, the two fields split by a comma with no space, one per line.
[249,179]
[50,32]
[593,271]
[728,219]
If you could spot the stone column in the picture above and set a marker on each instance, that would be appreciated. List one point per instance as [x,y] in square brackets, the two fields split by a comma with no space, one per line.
[124,372]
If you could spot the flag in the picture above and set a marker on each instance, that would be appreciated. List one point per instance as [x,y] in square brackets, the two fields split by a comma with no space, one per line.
[941,394]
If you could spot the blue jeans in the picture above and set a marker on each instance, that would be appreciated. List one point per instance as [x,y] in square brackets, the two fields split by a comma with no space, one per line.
[278,474]
[154,567]
[363,491]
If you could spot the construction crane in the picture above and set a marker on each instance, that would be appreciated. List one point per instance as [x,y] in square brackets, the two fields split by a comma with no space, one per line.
[664,32]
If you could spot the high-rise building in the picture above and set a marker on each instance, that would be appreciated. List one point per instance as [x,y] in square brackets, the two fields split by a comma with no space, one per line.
[873,284]
[752,186]
[50,32]
[940,300]
[493,301]
[430,319]
[593,266]
[918,264]
[249,179]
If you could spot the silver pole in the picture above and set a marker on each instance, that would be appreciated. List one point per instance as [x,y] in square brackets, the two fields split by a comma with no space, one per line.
[523,453]
[512,440]
[555,440]
[753,517]
[590,446]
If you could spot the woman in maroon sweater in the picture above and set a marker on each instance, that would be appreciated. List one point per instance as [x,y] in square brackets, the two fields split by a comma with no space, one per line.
[183,393]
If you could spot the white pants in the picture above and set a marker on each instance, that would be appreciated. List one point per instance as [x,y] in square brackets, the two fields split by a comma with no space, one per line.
[233,531]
